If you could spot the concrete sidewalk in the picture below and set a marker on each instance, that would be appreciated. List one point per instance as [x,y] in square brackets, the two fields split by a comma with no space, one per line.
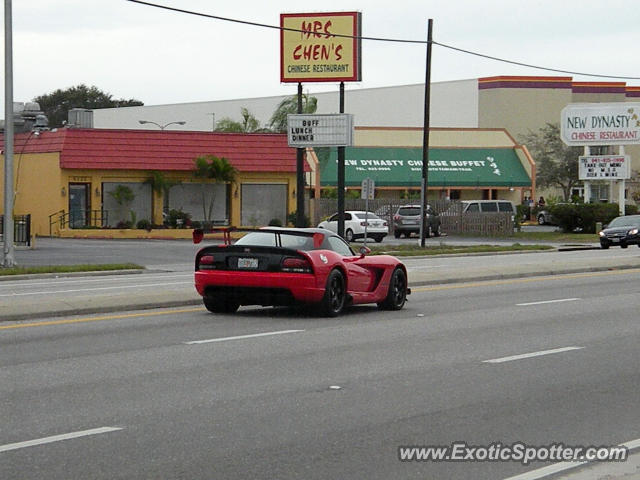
[103,299]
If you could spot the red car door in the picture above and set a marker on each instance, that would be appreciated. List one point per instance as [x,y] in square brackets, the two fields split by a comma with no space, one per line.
[359,278]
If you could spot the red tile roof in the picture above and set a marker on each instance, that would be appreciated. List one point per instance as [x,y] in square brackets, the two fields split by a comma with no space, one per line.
[106,149]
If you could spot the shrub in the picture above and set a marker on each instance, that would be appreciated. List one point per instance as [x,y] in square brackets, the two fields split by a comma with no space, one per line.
[177,218]
[275,222]
[291,219]
[583,216]
[144,225]
[630,209]
[124,224]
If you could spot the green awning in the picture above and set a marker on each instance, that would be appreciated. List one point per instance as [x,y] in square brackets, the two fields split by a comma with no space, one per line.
[448,167]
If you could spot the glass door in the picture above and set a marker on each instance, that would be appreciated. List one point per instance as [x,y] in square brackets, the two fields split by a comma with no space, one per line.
[79,207]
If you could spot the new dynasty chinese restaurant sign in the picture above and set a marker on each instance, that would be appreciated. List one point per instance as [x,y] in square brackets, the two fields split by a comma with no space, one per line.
[320,47]
[402,167]
[601,123]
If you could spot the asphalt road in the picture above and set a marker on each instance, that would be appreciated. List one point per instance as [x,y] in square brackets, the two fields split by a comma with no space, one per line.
[181,393]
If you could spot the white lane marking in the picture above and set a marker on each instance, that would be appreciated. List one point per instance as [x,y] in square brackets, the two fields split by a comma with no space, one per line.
[427,267]
[532,354]
[563,466]
[560,300]
[75,290]
[57,438]
[241,337]
[84,280]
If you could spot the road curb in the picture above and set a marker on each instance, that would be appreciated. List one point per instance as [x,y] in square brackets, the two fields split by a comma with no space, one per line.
[508,276]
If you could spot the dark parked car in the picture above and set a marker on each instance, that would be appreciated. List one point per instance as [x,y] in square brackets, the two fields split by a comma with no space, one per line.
[407,220]
[623,231]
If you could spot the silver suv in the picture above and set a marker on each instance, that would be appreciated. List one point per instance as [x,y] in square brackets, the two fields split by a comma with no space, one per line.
[406,220]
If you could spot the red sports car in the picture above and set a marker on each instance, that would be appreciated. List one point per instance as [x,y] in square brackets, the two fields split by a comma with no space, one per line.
[291,266]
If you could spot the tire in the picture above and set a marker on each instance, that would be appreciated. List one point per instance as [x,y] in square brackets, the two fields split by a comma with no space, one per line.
[397,294]
[397,233]
[348,235]
[335,295]
[220,305]
[541,220]
[436,232]
[624,245]
[378,238]
[604,246]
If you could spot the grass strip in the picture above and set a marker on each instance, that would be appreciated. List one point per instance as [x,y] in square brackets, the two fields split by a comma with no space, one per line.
[69,268]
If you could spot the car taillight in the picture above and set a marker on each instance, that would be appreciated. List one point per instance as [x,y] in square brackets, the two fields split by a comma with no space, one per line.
[296,265]
[207,262]
[396,217]
[384,224]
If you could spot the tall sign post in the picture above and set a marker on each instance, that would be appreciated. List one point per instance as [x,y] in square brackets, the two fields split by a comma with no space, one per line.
[425,136]
[8,250]
[597,124]
[320,47]
[300,173]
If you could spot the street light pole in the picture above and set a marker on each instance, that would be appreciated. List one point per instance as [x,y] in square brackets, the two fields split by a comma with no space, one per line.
[8,258]
[161,127]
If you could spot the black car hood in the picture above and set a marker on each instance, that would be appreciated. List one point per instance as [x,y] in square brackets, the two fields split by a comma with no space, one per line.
[618,230]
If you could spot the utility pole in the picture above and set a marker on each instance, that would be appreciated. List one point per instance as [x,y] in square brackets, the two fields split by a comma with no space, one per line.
[425,136]
[8,259]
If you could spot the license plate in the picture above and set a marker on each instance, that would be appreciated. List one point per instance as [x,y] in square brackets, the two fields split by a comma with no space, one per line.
[615,240]
[248,263]
[410,222]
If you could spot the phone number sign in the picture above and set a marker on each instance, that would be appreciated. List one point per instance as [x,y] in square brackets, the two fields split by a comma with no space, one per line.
[604,167]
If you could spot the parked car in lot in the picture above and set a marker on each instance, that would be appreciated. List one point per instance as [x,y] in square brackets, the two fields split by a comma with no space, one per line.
[544,217]
[623,231]
[406,221]
[354,225]
[488,206]
[293,266]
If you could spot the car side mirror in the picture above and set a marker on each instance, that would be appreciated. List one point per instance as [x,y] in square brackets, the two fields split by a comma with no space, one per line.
[364,251]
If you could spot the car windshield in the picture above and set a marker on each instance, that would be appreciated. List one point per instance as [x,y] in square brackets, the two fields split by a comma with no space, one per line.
[269,239]
[625,222]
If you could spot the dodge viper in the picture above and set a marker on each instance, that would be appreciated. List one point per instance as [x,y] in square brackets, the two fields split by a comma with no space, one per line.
[293,266]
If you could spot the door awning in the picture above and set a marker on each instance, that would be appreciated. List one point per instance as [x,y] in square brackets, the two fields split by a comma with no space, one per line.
[448,167]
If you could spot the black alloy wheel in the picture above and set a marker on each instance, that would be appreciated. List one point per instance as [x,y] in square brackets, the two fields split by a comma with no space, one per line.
[335,295]
[397,294]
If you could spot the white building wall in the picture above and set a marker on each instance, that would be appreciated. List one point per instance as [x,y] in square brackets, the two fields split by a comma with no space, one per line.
[453,104]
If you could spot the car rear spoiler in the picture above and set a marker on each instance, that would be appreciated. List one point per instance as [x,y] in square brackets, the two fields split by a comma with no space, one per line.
[199,234]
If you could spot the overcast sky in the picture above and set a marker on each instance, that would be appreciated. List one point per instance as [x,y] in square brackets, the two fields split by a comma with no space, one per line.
[161,57]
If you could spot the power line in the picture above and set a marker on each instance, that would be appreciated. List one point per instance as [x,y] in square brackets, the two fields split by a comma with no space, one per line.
[381,39]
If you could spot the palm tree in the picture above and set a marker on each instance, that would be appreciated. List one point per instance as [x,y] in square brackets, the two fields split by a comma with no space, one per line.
[210,167]
[278,122]
[162,185]
[249,124]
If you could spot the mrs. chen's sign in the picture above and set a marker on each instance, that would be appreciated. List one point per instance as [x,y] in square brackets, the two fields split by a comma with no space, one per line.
[320,47]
